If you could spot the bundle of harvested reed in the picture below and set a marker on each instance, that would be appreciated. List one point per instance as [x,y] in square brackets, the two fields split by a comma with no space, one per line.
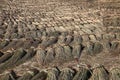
[9,76]
[27,56]
[82,74]
[5,57]
[3,44]
[66,74]
[28,75]
[42,75]
[18,54]
[53,74]
[100,73]
[115,74]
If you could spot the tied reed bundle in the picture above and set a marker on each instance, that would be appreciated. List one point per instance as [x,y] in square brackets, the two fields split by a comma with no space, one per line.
[53,74]
[17,55]
[99,73]
[8,76]
[115,74]
[66,74]
[82,74]
[28,75]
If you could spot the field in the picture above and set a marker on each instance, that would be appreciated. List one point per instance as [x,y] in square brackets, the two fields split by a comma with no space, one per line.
[59,40]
